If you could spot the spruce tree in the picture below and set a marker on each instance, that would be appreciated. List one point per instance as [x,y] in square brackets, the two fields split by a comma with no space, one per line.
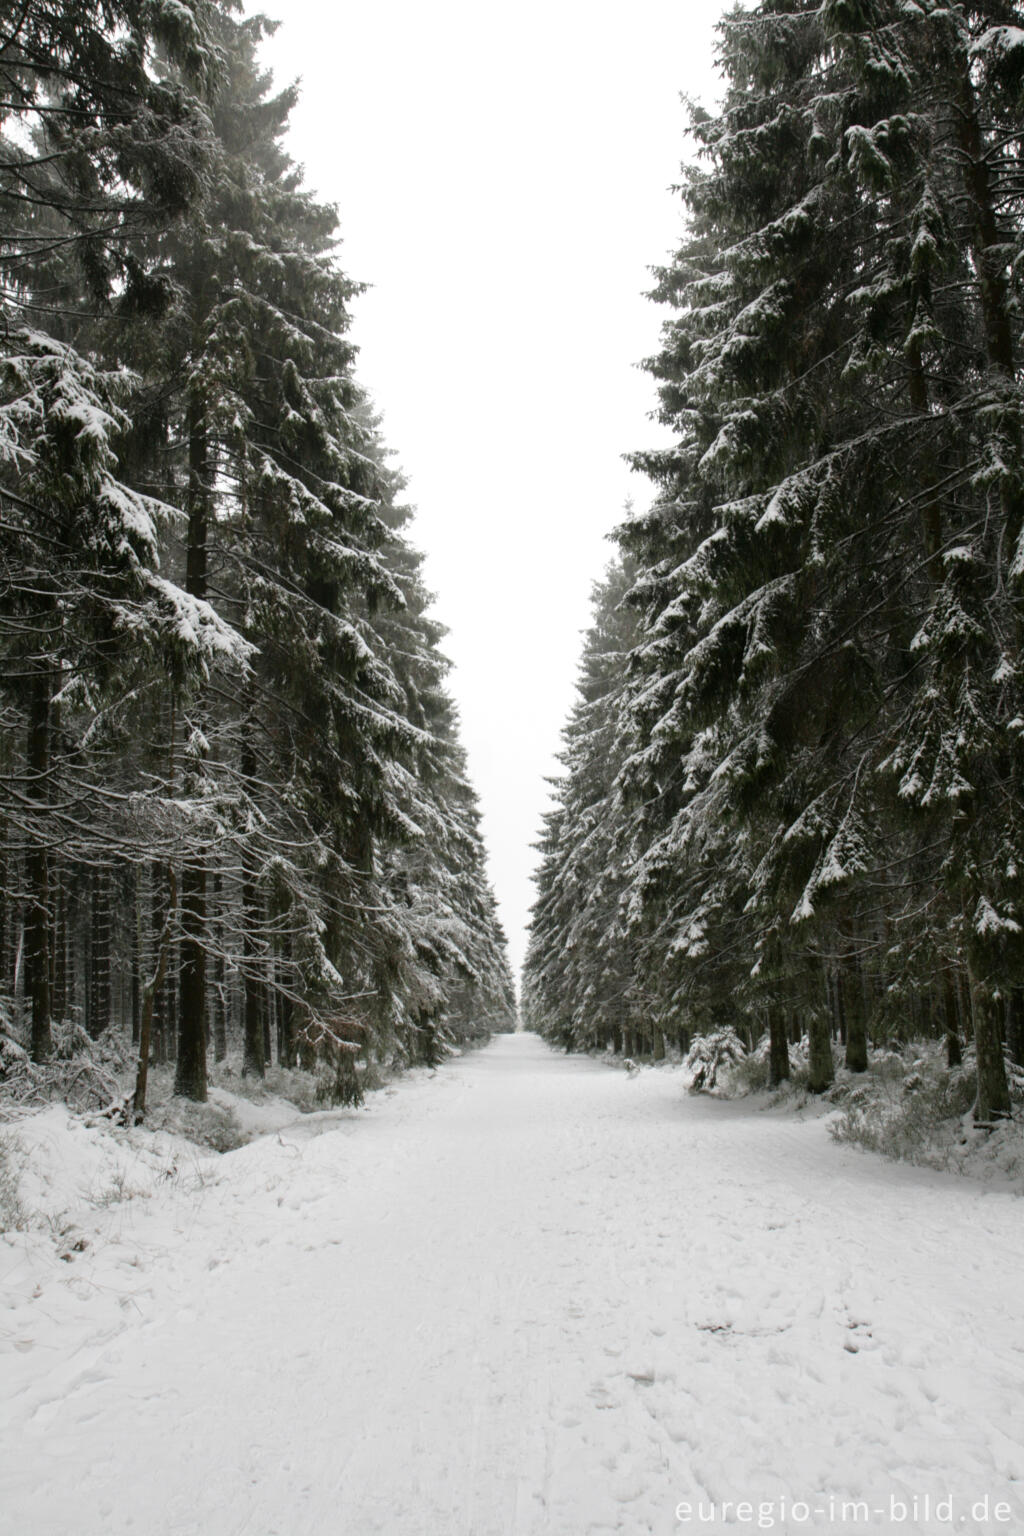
[99,147]
[820,784]
[581,983]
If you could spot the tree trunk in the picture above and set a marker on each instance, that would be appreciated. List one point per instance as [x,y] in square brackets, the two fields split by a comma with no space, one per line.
[821,1071]
[285,1010]
[219,999]
[59,1001]
[99,980]
[993,1100]
[854,1024]
[37,874]
[269,1022]
[254,1058]
[989,246]
[190,1071]
[778,1058]
[220,1009]
[163,1001]
[253,1055]
[136,956]
[963,1003]
[190,1074]
[1015,1025]
[5,903]
[987,241]
[867,1003]
[834,989]
[954,1053]
[149,995]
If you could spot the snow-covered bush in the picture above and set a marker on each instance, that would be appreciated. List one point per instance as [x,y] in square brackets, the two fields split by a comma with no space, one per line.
[752,1074]
[12,1212]
[918,1110]
[14,1061]
[83,1073]
[338,1082]
[209,1125]
[290,1083]
[709,1055]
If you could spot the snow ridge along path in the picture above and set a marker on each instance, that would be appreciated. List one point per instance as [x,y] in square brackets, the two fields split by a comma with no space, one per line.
[531,1296]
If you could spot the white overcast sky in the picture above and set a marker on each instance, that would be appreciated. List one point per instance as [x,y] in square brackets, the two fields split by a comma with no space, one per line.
[503,176]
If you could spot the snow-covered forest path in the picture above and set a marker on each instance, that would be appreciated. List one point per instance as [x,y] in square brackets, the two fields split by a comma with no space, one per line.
[531,1296]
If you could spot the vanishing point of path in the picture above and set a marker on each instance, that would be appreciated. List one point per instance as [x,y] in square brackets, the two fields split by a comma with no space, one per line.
[531,1296]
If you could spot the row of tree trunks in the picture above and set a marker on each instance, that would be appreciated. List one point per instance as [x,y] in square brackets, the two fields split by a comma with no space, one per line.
[60,957]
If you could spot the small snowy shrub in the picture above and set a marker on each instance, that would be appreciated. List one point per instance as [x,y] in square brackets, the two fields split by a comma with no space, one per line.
[13,1056]
[70,1039]
[13,1217]
[913,1115]
[16,1078]
[1015,1078]
[339,1084]
[83,1073]
[291,1083]
[709,1055]
[208,1125]
[373,1077]
[752,1074]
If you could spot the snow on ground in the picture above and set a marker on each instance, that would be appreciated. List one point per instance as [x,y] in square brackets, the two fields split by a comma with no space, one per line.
[528,1296]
